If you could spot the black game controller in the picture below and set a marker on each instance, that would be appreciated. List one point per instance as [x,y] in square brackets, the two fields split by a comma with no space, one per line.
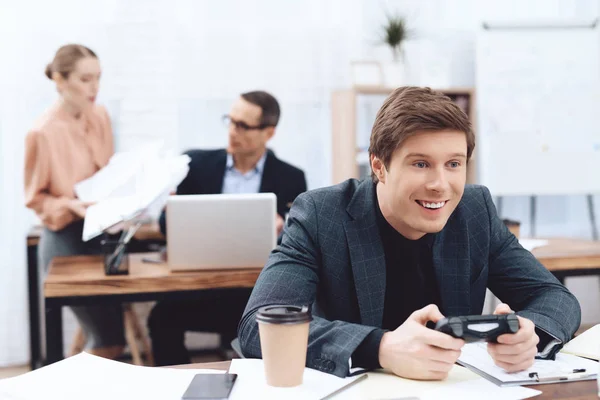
[478,328]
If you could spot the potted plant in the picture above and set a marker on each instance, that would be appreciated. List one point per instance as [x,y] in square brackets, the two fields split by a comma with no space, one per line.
[393,34]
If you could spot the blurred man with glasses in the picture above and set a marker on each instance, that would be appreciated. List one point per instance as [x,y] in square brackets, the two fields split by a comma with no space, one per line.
[245,166]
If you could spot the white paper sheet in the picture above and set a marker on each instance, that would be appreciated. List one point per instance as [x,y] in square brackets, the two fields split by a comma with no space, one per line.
[134,185]
[385,385]
[476,355]
[251,379]
[478,389]
[118,176]
[110,212]
[85,376]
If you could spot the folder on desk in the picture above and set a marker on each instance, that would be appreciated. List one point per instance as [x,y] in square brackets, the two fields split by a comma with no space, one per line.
[566,368]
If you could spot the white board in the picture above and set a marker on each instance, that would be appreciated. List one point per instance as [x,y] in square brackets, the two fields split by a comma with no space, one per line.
[538,103]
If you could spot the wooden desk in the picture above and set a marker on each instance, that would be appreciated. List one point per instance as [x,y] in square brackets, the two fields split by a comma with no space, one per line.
[80,280]
[218,365]
[573,391]
[147,237]
[146,232]
[570,257]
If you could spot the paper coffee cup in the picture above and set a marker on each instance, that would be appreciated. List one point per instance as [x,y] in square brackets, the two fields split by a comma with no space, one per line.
[283,334]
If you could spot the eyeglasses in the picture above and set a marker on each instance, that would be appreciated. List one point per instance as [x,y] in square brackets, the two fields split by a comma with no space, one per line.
[241,125]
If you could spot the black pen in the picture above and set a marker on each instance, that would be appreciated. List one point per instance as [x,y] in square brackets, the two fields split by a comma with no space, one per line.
[578,373]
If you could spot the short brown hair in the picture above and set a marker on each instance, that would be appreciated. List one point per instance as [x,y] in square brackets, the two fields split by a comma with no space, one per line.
[65,59]
[410,110]
[268,104]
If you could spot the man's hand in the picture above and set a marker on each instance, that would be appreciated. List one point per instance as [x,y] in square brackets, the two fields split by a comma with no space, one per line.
[417,352]
[515,351]
[279,224]
[79,207]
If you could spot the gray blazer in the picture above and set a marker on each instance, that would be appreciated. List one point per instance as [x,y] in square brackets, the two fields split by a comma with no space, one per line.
[331,256]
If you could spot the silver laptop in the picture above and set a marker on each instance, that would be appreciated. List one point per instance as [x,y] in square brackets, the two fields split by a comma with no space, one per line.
[216,231]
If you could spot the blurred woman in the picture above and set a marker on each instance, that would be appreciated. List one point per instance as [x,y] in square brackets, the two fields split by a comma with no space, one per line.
[70,142]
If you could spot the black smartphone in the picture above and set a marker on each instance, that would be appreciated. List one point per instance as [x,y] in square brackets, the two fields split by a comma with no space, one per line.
[210,387]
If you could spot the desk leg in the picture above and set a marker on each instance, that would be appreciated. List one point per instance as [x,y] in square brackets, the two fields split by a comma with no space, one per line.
[54,333]
[34,307]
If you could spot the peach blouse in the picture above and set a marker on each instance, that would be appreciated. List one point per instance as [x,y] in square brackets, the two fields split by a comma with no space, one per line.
[60,151]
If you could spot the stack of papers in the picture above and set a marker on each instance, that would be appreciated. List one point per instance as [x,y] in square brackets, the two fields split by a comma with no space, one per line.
[85,376]
[461,384]
[475,357]
[315,385]
[134,185]
[479,389]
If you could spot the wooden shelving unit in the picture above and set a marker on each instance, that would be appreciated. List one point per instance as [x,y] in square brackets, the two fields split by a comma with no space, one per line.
[347,157]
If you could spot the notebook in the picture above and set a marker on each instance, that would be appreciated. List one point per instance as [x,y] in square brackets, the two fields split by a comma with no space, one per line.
[566,368]
[585,345]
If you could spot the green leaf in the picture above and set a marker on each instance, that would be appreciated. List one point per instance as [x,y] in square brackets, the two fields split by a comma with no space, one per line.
[394,32]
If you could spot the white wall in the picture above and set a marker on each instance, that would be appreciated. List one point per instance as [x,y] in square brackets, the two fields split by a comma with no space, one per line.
[444,34]
[172,68]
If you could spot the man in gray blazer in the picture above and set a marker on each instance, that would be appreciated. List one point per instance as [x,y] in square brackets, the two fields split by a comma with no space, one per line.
[379,259]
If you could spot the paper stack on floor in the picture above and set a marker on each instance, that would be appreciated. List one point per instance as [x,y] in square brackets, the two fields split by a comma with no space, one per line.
[85,376]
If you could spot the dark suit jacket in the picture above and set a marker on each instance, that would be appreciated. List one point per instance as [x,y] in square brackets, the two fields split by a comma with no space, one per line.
[331,256]
[207,171]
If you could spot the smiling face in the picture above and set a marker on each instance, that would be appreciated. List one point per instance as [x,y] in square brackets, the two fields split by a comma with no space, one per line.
[423,183]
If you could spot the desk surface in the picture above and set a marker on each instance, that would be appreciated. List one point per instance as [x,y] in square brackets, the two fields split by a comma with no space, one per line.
[566,254]
[146,232]
[84,276]
[572,391]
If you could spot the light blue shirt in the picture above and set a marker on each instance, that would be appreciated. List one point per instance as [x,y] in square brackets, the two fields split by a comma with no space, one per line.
[237,182]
